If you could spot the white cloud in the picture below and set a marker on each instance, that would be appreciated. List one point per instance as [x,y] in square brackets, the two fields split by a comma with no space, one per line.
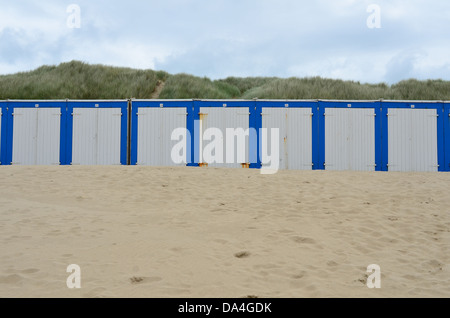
[140,56]
[327,38]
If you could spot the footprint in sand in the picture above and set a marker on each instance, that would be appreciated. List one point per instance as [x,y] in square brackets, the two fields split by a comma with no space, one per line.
[243,254]
[143,280]
[332,263]
[299,275]
[433,266]
[363,280]
[29,271]
[303,240]
[11,279]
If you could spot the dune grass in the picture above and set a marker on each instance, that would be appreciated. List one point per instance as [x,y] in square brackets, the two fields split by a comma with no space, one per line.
[78,80]
[184,86]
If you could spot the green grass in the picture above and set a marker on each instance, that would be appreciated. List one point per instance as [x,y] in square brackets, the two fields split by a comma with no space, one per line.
[318,88]
[184,86]
[78,80]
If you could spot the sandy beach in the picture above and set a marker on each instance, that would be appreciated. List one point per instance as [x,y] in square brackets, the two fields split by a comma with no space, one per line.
[203,232]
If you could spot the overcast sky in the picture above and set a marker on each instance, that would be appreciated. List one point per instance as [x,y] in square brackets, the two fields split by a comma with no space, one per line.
[221,38]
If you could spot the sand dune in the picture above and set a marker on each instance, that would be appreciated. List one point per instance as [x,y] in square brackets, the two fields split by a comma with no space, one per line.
[193,232]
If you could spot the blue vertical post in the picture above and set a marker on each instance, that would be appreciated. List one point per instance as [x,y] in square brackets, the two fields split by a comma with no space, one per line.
[129,132]
[378,136]
[318,136]
[385,135]
[124,133]
[255,124]
[193,127]
[446,138]
[69,132]
[192,111]
[134,134]
[63,135]
[4,116]
[441,137]
[9,133]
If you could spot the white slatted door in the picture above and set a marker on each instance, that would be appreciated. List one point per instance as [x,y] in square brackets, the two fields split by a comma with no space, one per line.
[48,136]
[84,142]
[24,136]
[273,117]
[412,140]
[350,139]
[155,127]
[96,136]
[295,136]
[223,118]
[109,131]
[299,139]
[36,136]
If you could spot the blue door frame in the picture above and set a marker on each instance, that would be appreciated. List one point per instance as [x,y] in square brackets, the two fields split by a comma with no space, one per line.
[3,134]
[122,104]
[254,122]
[379,136]
[313,104]
[136,104]
[446,137]
[438,106]
[7,143]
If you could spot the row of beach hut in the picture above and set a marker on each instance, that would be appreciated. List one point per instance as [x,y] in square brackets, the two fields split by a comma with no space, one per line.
[312,134]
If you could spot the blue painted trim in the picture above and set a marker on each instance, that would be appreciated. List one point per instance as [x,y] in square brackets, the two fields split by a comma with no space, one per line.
[216,103]
[124,134]
[344,104]
[229,103]
[319,136]
[255,123]
[194,129]
[440,138]
[135,105]
[134,133]
[315,136]
[123,105]
[440,126]
[4,130]
[418,105]
[69,133]
[9,134]
[63,137]
[293,104]
[375,105]
[446,121]
[32,104]
[164,103]
[409,104]
[190,120]
[378,136]
[385,136]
